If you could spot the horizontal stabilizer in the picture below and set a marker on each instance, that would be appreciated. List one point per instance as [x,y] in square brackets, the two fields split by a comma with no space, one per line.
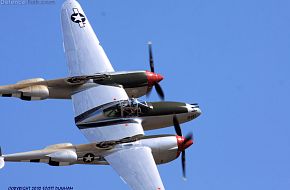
[36,92]
[10,93]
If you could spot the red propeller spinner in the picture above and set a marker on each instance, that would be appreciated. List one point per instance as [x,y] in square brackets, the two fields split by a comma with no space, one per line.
[153,78]
[183,143]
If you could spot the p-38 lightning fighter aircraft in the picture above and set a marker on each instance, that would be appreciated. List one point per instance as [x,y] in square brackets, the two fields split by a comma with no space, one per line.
[106,113]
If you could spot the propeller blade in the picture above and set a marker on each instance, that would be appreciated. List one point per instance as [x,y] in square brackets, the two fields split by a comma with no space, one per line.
[0,151]
[148,93]
[183,164]
[177,126]
[159,91]
[151,57]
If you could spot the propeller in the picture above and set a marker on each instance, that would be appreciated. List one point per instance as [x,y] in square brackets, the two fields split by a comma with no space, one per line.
[152,69]
[183,143]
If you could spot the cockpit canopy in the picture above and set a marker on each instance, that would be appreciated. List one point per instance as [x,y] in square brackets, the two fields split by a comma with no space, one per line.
[127,108]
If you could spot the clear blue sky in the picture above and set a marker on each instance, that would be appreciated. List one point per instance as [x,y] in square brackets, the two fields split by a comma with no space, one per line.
[231,57]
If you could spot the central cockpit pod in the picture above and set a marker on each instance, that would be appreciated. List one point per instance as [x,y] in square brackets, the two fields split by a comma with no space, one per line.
[127,108]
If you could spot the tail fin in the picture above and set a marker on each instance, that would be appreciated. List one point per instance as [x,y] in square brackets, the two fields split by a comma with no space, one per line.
[2,162]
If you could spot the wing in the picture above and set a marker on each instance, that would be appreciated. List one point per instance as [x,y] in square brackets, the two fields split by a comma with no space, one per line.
[83,51]
[85,56]
[137,168]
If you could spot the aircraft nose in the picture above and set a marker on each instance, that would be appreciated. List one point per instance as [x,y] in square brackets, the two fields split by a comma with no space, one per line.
[193,108]
[197,110]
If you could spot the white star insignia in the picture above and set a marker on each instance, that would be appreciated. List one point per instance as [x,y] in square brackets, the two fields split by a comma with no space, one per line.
[78,17]
[89,158]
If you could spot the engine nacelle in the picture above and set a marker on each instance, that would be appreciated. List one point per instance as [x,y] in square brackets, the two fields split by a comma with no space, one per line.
[36,92]
[30,80]
[63,156]
[61,145]
[164,149]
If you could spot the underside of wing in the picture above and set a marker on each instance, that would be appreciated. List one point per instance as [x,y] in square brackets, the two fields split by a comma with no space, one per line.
[137,168]
[83,51]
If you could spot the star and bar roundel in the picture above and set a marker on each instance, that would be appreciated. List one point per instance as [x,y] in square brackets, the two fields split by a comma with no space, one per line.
[78,18]
[89,157]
